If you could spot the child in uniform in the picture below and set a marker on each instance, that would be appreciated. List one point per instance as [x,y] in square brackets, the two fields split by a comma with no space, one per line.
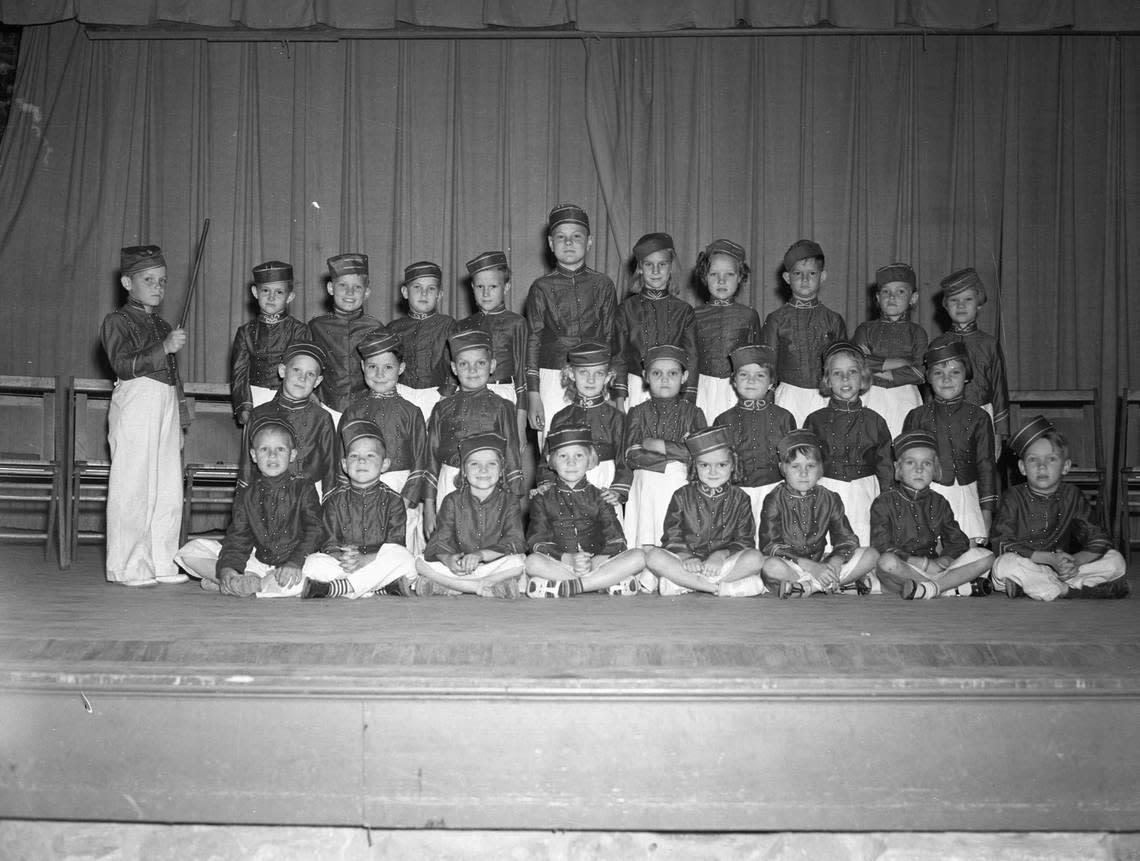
[966,475]
[401,426]
[490,280]
[855,442]
[565,307]
[652,316]
[1048,541]
[801,330]
[472,410]
[709,540]
[294,404]
[586,377]
[722,324]
[962,295]
[575,539]
[479,544]
[364,526]
[338,334]
[424,333]
[800,519]
[894,346]
[755,425]
[144,487]
[922,551]
[275,523]
[655,447]
[260,344]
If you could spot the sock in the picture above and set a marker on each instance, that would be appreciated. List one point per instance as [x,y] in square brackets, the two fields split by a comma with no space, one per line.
[570,588]
[339,588]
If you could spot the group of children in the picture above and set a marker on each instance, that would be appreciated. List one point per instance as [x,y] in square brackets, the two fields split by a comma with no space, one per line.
[682,450]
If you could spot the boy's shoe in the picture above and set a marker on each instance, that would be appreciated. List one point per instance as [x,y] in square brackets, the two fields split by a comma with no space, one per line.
[508,589]
[914,589]
[1012,590]
[148,581]
[169,579]
[426,587]
[540,587]
[863,585]
[210,585]
[981,587]
[787,589]
[314,589]
[1111,589]
[399,587]
[628,586]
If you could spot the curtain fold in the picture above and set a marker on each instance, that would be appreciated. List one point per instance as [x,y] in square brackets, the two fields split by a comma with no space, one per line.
[1018,155]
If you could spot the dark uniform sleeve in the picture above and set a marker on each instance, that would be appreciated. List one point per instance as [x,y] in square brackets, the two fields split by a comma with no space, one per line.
[1006,533]
[535,312]
[882,525]
[512,538]
[312,533]
[127,360]
[673,535]
[842,537]
[240,359]
[539,535]
[416,487]
[325,451]
[509,428]
[434,455]
[954,540]
[742,534]
[239,538]
[987,470]
[612,532]
[394,529]
[444,540]
[1001,392]
[771,533]
[520,337]
[884,465]
[689,345]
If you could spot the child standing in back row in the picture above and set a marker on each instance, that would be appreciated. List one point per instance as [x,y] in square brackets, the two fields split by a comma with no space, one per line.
[423,333]
[144,488]
[652,316]
[801,330]
[722,324]
[571,304]
[894,346]
[260,344]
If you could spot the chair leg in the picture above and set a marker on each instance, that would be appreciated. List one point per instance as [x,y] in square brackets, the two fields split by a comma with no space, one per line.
[53,517]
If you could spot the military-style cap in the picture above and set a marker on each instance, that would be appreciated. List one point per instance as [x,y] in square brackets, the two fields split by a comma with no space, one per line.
[305,348]
[470,339]
[588,353]
[665,351]
[841,347]
[725,246]
[963,279]
[482,442]
[487,260]
[794,439]
[710,439]
[348,264]
[650,243]
[572,435]
[913,439]
[136,258]
[752,354]
[568,212]
[944,349]
[801,250]
[379,341]
[356,429]
[271,422]
[272,272]
[893,272]
[1037,427]
[421,269]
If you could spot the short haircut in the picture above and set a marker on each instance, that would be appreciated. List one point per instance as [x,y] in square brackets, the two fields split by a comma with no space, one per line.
[806,449]
[271,428]
[767,365]
[369,438]
[865,376]
[1059,440]
[504,269]
[489,352]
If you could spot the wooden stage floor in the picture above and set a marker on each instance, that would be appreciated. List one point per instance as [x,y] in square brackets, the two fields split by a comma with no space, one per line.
[978,713]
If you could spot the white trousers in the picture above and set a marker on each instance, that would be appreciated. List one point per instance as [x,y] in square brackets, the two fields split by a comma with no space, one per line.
[892,404]
[144,489]
[668,588]
[1045,584]
[715,395]
[801,403]
[486,569]
[857,497]
[649,497]
[414,534]
[963,499]
[392,562]
[199,556]
[553,398]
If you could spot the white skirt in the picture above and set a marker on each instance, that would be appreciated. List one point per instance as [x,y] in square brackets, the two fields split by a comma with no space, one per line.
[414,534]
[756,497]
[649,498]
[857,497]
[715,395]
[893,404]
[638,392]
[963,499]
[553,398]
[261,395]
[668,588]
[801,403]
[445,483]
[425,399]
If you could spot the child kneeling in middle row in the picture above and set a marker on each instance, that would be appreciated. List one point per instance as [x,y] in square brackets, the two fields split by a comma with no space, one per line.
[576,541]
[709,544]
[365,526]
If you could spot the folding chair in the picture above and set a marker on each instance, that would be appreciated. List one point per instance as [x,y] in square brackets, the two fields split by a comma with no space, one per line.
[33,461]
[211,454]
[90,458]
[1127,467]
[1077,414]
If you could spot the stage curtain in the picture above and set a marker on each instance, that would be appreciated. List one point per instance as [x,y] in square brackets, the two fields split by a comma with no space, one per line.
[1015,154]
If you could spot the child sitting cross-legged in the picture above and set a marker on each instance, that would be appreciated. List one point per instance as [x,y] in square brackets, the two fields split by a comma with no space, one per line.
[575,538]
[275,524]
[709,543]
[478,543]
[1048,542]
[364,524]
[798,521]
[922,551]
